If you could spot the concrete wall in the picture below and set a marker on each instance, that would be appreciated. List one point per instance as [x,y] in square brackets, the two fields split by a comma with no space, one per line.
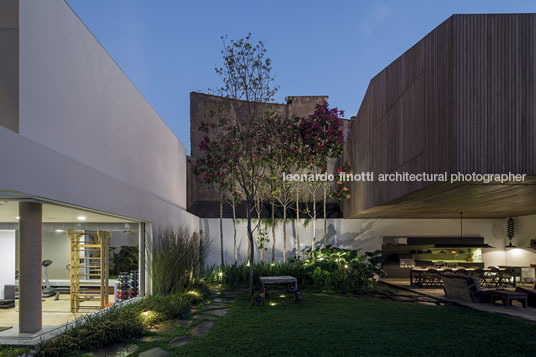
[9,64]
[75,100]
[525,231]
[203,200]
[368,234]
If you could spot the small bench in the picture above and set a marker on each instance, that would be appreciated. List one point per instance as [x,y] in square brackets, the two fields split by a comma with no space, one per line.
[287,284]
[507,297]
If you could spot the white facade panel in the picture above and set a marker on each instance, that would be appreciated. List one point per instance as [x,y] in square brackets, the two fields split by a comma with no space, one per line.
[75,100]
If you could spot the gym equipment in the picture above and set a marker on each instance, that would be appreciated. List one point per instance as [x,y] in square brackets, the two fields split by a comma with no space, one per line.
[134,283]
[123,287]
[89,261]
[48,290]
[127,285]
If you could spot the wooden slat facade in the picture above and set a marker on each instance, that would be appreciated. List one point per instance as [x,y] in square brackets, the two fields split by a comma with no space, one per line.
[460,100]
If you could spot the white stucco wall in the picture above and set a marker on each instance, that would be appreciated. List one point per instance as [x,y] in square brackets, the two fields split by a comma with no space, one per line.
[368,235]
[33,170]
[75,100]
[7,258]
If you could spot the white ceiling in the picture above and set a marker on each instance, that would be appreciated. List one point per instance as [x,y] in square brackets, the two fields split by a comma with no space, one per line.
[9,210]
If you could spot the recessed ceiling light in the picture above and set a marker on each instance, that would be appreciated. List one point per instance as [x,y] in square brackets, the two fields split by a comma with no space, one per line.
[81,218]
[59,230]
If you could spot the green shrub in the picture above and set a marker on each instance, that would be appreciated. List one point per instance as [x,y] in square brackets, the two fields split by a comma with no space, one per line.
[328,269]
[121,322]
[9,351]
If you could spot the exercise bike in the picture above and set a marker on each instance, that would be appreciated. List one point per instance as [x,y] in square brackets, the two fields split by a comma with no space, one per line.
[47,290]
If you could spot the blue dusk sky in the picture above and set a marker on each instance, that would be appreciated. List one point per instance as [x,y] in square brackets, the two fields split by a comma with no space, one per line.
[169,48]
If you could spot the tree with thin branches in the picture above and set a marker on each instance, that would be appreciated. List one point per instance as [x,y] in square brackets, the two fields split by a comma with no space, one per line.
[246,75]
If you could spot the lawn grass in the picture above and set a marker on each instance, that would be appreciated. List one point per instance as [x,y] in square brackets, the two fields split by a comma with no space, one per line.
[336,325]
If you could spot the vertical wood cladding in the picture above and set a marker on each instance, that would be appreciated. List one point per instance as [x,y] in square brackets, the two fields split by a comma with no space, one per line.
[461,99]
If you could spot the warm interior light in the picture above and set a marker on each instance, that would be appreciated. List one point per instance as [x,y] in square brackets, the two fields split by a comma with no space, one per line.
[81,218]
[452,252]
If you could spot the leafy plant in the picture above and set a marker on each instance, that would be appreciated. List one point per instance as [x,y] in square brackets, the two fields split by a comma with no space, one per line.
[327,269]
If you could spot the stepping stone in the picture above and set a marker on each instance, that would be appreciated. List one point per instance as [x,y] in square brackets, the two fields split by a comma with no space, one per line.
[181,322]
[220,312]
[163,329]
[201,328]
[193,311]
[224,300]
[179,341]
[213,306]
[154,352]
[115,350]
[426,303]
[150,338]
[201,316]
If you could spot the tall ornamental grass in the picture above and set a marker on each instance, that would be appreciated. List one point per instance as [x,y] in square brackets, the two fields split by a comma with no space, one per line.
[177,258]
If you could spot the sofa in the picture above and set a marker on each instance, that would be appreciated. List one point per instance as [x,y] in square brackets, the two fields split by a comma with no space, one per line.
[465,288]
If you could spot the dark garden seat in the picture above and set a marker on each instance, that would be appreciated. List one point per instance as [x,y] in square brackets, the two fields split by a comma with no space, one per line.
[465,288]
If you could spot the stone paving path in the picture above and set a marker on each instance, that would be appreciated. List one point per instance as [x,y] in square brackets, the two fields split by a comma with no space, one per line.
[201,328]
[201,321]
[154,352]
[386,292]
[178,332]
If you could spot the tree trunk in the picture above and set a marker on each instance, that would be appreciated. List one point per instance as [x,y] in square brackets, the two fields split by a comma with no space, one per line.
[297,224]
[234,228]
[251,251]
[285,235]
[325,220]
[314,224]
[273,232]
[261,238]
[221,230]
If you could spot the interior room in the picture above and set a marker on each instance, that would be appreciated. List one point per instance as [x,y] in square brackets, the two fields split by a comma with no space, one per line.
[62,225]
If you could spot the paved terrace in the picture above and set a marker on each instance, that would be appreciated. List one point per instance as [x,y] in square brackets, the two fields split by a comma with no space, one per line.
[516,310]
